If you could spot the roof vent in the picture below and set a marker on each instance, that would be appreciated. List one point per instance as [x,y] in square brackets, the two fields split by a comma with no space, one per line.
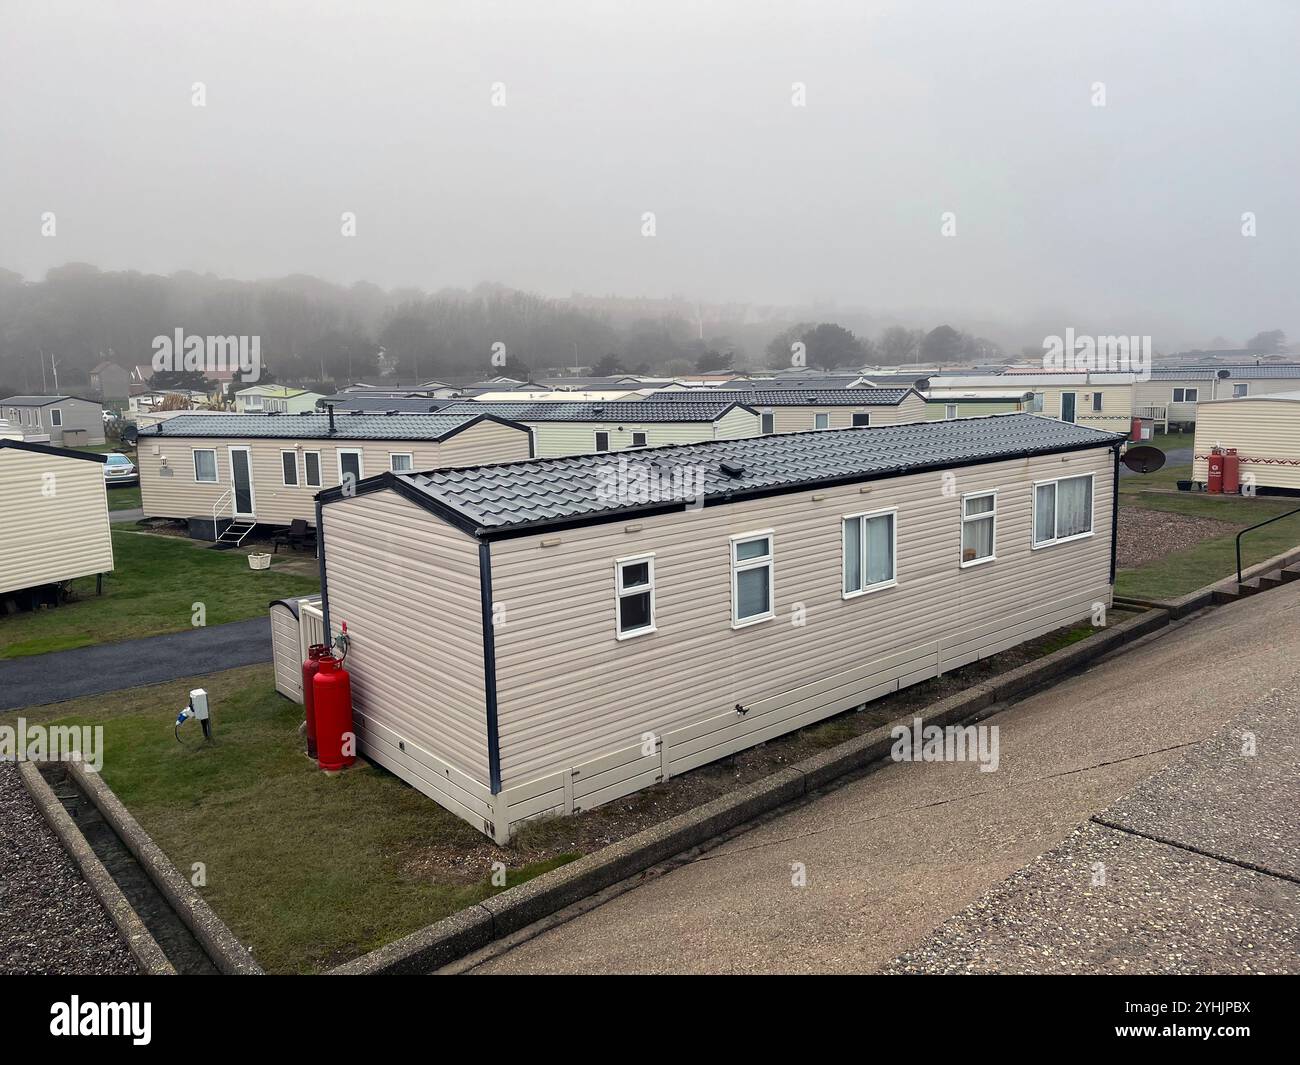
[597,410]
[732,469]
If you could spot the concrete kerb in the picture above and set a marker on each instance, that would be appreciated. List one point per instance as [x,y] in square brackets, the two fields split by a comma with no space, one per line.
[513,909]
[148,955]
[222,945]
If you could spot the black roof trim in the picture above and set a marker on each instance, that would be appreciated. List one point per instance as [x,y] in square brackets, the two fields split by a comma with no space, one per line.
[49,449]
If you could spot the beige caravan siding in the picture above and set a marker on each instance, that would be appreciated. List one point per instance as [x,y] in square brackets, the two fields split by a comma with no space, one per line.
[408,587]
[275,503]
[803,419]
[1265,432]
[555,439]
[569,692]
[1115,416]
[483,443]
[736,424]
[55,519]
[285,656]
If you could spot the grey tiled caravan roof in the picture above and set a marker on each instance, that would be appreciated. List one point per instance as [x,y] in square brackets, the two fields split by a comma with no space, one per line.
[517,496]
[361,425]
[798,397]
[1279,371]
[699,409]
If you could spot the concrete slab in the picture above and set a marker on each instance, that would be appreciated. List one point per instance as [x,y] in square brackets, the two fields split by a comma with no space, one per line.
[1160,909]
[1236,796]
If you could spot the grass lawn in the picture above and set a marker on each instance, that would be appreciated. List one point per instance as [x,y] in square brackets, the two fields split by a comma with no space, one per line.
[311,870]
[308,870]
[153,588]
[125,498]
[1185,571]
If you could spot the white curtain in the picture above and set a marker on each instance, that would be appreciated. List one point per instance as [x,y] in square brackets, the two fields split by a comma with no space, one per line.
[880,548]
[1073,506]
[853,555]
[1045,513]
[977,539]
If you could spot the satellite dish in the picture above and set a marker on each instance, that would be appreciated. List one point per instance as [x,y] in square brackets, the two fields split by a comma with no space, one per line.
[922,384]
[1144,459]
[1223,374]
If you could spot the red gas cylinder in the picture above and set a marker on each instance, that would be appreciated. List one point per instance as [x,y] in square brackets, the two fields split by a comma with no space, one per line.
[1231,471]
[1135,429]
[309,670]
[333,705]
[1214,480]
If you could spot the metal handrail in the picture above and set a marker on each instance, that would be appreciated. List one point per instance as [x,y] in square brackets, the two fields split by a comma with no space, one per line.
[1252,528]
[229,493]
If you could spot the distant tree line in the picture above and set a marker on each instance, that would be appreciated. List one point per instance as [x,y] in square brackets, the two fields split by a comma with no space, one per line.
[319,334]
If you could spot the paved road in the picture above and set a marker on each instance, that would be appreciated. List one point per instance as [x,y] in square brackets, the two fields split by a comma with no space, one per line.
[890,856]
[1199,870]
[106,667]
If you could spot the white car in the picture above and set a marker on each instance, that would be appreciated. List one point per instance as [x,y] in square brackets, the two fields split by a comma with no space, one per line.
[119,470]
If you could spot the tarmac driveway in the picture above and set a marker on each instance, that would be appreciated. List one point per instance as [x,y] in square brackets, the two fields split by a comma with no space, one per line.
[887,858]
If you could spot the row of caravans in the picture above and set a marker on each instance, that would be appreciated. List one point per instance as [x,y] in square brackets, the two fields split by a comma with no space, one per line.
[217,469]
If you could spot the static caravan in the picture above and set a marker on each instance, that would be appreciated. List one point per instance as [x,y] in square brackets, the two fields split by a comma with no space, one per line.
[1173,392]
[55,515]
[1264,429]
[1101,400]
[575,428]
[543,637]
[59,420]
[796,410]
[224,471]
[949,403]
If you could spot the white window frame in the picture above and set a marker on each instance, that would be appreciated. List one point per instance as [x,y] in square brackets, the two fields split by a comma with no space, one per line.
[361,461]
[861,414]
[194,462]
[818,415]
[766,417]
[56,418]
[1098,399]
[860,516]
[1033,516]
[767,561]
[1193,398]
[401,454]
[950,412]
[1245,390]
[620,592]
[597,434]
[1061,410]
[297,479]
[307,481]
[644,435]
[993,540]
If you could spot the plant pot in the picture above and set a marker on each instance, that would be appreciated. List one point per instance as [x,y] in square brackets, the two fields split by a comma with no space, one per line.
[259,560]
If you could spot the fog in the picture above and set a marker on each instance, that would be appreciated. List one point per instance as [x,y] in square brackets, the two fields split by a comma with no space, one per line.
[1121,218]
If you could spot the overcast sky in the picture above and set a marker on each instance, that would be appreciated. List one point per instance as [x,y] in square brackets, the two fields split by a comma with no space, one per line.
[1120,218]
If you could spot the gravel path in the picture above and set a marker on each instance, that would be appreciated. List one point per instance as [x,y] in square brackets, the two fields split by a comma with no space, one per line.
[50,920]
[1148,535]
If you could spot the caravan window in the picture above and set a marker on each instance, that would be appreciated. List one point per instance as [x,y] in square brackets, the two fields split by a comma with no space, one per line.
[205,465]
[978,527]
[634,587]
[869,542]
[751,579]
[1062,510]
